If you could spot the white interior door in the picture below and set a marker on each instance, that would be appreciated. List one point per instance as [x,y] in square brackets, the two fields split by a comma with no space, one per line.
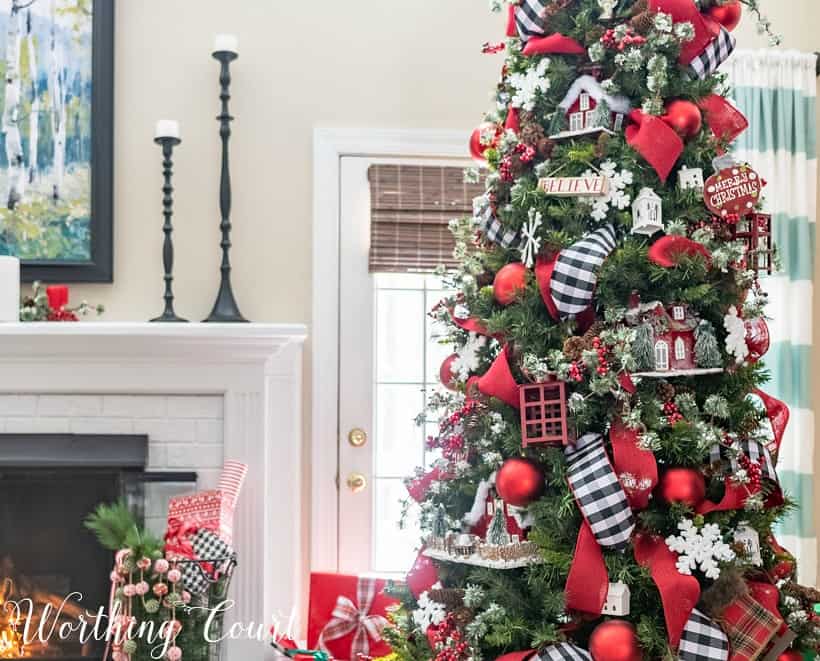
[388,362]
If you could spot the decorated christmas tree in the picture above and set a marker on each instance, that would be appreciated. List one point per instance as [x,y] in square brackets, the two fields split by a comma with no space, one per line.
[607,483]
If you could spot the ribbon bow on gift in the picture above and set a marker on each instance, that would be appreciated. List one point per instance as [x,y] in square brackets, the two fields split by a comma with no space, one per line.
[177,538]
[347,617]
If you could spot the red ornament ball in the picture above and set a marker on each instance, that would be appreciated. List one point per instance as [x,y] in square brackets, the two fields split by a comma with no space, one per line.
[685,117]
[520,482]
[683,485]
[727,15]
[446,374]
[509,281]
[757,338]
[615,640]
[477,146]
[790,655]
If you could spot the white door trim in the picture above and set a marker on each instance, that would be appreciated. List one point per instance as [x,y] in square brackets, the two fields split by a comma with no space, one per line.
[329,147]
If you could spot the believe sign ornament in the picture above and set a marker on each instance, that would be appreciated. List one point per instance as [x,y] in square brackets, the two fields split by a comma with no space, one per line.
[589,186]
[735,190]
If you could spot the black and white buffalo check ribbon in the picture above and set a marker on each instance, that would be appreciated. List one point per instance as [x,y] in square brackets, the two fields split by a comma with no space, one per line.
[492,227]
[598,492]
[703,640]
[564,652]
[576,271]
[212,557]
[530,19]
[755,450]
[716,53]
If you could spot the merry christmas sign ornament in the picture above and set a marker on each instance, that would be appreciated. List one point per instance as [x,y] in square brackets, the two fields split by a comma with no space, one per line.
[735,190]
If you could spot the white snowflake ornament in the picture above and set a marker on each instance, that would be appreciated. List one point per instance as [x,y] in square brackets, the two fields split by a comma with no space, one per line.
[467,361]
[699,549]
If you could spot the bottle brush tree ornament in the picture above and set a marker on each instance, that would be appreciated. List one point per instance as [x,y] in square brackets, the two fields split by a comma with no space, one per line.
[615,281]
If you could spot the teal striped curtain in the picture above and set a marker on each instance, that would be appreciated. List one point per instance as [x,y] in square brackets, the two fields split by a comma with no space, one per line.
[777,91]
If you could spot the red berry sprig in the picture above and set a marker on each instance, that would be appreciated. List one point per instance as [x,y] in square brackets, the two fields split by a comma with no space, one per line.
[611,41]
[672,413]
[525,152]
[576,371]
[754,471]
[603,364]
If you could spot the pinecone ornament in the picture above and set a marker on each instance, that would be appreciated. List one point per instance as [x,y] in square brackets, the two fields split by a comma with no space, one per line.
[574,348]
[666,391]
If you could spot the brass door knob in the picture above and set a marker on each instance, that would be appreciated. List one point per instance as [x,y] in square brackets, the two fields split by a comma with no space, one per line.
[357,437]
[356,482]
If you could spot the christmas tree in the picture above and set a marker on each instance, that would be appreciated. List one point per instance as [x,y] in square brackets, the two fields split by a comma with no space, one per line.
[618,408]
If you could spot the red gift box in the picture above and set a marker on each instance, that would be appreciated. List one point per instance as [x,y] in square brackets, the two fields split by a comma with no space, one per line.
[213,510]
[346,616]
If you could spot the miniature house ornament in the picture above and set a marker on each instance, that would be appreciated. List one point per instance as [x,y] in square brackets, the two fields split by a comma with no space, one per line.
[690,178]
[587,109]
[617,600]
[647,213]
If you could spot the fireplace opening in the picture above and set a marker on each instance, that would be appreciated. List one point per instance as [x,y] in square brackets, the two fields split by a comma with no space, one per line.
[48,485]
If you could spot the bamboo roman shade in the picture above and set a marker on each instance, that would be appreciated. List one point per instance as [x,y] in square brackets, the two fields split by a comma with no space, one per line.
[410,208]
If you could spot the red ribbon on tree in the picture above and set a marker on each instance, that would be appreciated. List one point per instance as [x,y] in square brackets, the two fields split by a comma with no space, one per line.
[633,464]
[686,11]
[588,580]
[655,140]
[734,498]
[499,382]
[348,617]
[668,250]
[544,266]
[778,413]
[553,44]
[679,593]
[512,28]
[726,121]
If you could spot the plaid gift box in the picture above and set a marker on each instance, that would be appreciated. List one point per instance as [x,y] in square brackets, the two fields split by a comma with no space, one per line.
[346,616]
[750,628]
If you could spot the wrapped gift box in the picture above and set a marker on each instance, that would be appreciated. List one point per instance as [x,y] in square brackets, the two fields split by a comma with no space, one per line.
[337,602]
[214,509]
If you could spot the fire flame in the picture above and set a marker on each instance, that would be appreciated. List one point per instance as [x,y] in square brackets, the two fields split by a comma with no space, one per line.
[12,645]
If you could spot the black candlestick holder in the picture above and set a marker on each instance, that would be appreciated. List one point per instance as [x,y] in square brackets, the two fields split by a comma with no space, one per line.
[168,144]
[225,308]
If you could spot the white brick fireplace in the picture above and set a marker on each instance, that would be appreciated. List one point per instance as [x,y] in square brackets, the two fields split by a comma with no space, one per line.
[202,394]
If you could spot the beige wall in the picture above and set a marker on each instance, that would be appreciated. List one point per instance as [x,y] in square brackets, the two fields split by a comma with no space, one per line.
[366,63]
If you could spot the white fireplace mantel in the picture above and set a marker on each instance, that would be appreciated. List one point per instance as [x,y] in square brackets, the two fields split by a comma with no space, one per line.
[255,368]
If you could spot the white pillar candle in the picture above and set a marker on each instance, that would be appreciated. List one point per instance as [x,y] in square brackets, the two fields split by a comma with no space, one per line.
[9,289]
[167,128]
[226,43]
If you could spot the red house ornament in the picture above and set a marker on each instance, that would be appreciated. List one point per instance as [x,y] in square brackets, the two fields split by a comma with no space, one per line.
[589,110]
[735,190]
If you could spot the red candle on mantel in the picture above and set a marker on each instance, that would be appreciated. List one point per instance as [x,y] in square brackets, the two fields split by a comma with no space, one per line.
[57,296]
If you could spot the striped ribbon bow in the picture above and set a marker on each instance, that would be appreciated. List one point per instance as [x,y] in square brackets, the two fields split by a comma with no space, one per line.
[347,618]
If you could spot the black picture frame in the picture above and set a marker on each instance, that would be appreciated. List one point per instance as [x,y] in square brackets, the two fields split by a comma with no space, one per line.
[100,268]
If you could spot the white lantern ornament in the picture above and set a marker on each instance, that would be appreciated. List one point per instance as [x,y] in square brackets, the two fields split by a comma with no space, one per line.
[647,213]
[690,178]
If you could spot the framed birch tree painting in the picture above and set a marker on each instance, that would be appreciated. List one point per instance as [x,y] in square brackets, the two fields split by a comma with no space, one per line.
[56,138]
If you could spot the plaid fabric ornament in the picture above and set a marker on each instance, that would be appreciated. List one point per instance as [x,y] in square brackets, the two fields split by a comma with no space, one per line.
[716,53]
[213,556]
[598,492]
[703,640]
[576,271]
[750,628]
[495,231]
[564,652]
[759,454]
[530,19]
